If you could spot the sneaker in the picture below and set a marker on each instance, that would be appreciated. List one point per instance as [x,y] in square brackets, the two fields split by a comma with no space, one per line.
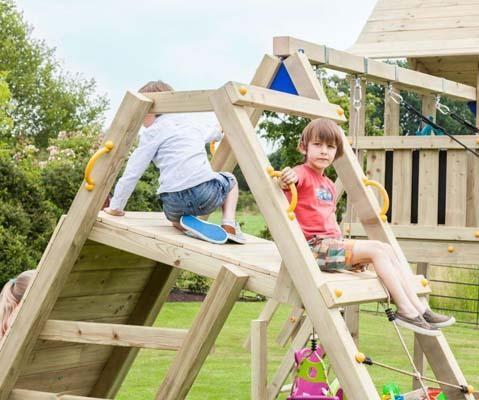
[204,230]
[417,324]
[234,233]
[438,320]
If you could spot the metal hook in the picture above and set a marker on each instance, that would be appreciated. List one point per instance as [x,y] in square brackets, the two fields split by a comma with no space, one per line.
[443,109]
[357,95]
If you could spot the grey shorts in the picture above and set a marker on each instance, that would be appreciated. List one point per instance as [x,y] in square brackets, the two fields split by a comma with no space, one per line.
[201,199]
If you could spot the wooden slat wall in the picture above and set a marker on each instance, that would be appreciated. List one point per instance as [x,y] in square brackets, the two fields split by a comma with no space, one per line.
[104,286]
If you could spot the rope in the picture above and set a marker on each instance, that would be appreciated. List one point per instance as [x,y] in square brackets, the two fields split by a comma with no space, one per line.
[397,98]
[447,111]
[392,318]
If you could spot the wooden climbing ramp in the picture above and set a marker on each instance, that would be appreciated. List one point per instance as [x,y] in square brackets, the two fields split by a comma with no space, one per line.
[103,280]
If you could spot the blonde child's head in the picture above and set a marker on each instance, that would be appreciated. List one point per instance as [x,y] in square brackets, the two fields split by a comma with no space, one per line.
[10,296]
[324,131]
[155,86]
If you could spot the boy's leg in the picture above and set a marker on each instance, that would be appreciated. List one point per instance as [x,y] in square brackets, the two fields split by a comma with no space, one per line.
[228,222]
[231,201]
[368,250]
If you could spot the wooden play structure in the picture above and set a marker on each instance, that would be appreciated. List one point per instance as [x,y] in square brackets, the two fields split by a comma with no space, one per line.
[103,280]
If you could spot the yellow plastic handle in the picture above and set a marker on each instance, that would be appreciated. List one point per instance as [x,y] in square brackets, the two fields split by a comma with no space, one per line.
[89,167]
[384,195]
[292,188]
[212,148]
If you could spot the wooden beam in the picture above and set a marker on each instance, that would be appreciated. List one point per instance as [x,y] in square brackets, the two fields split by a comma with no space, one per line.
[293,248]
[377,71]
[23,394]
[266,314]
[346,292]
[267,99]
[144,337]
[224,159]
[180,101]
[147,309]
[290,326]
[259,359]
[415,142]
[391,113]
[203,333]
[66,245]
[426,232]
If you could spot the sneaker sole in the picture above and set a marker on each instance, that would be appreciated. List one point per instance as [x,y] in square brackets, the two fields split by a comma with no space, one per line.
[204,230]
[417,329]
[236,239]
[449,322]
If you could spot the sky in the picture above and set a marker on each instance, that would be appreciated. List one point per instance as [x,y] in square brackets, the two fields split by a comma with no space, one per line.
[189,44]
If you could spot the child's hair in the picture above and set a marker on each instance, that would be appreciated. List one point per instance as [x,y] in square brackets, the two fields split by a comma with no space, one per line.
[155,86]
[323,130]
[10,296]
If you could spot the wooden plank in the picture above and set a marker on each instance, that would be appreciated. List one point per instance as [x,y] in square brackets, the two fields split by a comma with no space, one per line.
[402,187]
[259,359]
[391,113]
[284,291]
[290,326]
[149,305]
[259,282]
[203,333]
[224,159]
[351,317]
[272,100]
[338,293]
[266,314]
[376,71]
[472,191]
[427,232]
[67,244]
[23,394]
[415,142]
[304,78]
[293,248]
[61,381]
[428,187]
[376,168]
[456,181]
[113,334]
[287,364]
[180,101]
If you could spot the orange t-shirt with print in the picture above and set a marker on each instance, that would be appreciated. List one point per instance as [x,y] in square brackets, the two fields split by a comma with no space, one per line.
[316,209]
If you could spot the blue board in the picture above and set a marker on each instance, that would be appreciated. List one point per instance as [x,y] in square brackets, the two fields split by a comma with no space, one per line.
[282,82]
[472,106]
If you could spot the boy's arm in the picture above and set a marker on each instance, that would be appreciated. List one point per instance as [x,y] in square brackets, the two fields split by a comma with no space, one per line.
[135,167]
[212,132]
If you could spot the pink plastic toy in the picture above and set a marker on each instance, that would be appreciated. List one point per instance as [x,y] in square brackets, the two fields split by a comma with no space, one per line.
[310,382]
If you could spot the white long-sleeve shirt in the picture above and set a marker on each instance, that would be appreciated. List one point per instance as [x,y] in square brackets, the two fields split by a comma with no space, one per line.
[176,144]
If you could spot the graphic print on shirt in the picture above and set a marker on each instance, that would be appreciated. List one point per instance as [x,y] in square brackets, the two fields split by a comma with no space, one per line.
[323,193]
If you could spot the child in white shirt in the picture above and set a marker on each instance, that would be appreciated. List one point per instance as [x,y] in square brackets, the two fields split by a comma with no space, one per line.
[188,186]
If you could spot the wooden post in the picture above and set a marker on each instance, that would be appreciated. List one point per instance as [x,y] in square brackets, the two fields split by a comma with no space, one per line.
[266,315]
[66,245]
[259,359]
[419,359]
[203,333]
[391,113]
[472,217]
[147,309]
[290,326]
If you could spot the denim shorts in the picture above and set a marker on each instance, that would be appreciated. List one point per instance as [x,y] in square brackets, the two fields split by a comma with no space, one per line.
[201,199]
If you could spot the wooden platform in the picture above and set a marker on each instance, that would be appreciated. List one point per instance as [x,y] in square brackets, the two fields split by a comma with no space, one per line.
[111,282]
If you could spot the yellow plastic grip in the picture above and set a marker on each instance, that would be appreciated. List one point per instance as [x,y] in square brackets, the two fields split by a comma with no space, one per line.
[212,148]
[292,188]
[89,167]
[384,195]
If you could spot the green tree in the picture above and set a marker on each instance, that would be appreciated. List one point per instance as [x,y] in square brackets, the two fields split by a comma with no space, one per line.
[45,99]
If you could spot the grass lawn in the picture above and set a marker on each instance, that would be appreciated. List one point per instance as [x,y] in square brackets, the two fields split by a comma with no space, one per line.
[226,373]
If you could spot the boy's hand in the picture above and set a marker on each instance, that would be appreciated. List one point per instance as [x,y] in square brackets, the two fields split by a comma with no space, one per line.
[288,176]
[114,212]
